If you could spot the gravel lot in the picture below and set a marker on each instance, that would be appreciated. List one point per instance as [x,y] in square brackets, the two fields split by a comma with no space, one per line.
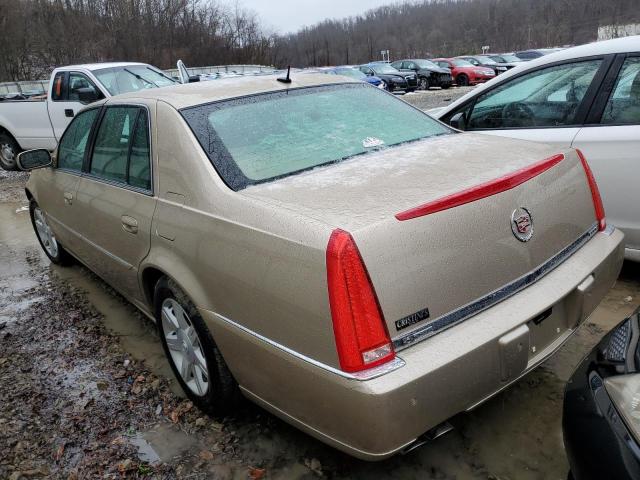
[85,391]
[434,98]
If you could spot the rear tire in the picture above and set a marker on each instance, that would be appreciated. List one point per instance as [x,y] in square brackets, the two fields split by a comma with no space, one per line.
[191,351]
[9,150]
[462,80]
[52,248]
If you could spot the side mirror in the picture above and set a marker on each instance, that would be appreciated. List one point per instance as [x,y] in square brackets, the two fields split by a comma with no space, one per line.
[87,95]
[458,121]
[33,159]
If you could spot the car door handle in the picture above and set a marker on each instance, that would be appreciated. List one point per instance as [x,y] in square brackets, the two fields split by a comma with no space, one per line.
[68,113]
[129,224]
[68,198]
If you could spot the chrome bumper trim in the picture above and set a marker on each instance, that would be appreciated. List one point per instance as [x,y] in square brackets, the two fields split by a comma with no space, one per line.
[368,374]
[456,316]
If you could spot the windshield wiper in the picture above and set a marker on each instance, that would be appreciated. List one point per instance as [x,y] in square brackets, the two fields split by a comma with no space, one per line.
[140,77]
[161,74]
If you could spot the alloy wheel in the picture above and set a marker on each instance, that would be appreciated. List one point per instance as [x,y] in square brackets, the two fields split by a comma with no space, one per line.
[7,155]
[185,347]
[44,232]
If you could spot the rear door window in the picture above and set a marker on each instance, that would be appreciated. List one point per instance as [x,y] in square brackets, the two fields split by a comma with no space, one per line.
[623,107]
[121,149]
[548,97]
[73,144]
[57,90]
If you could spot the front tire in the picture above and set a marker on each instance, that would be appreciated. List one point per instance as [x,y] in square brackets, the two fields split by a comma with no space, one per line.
[9,150]
[424,83]
[462,80]
[445,86]
[48,241]
[193,355]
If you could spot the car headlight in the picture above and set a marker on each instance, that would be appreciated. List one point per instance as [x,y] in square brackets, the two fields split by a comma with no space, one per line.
[480,72]
[624,391]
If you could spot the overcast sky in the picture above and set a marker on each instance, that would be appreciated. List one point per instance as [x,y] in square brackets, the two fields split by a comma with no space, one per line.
[289,15]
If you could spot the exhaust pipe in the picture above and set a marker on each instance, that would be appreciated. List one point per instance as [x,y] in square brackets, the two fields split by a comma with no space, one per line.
[435,432]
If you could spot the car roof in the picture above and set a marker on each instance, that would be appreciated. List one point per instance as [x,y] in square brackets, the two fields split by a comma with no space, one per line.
[198,93]
[99,66]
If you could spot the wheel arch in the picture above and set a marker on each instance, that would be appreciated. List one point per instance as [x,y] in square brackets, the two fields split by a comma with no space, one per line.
[4,130]
[152,271]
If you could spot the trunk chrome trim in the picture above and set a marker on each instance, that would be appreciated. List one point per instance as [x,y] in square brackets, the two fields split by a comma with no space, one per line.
[368,374]
[456,316]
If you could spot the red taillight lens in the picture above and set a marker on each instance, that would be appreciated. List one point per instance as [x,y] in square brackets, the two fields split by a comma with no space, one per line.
[361,336]
[595,193]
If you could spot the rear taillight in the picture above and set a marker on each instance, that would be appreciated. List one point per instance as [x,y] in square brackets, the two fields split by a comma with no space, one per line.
[361,336]
[595,193]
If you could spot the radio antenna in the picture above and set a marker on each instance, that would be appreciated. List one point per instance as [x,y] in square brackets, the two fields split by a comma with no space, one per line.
[286,79]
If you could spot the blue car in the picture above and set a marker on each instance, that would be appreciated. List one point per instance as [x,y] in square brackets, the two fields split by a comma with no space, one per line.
[353,73]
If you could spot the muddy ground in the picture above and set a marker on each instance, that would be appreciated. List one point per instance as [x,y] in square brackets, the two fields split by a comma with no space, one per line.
[85,392]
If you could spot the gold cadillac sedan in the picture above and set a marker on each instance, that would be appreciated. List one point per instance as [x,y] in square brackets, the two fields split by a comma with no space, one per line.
[340,258]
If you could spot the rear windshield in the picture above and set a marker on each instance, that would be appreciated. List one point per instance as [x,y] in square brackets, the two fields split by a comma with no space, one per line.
[351,72]
[384,69]
[256,139]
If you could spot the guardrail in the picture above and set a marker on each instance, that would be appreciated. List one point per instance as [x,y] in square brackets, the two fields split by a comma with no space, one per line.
[225,69]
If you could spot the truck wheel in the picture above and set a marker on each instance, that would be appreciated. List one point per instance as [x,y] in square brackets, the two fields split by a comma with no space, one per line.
[9,150]
[462,80]
[56,253]
[193,355]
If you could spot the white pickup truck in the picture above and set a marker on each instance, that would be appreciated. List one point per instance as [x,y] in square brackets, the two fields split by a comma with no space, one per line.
[38,122]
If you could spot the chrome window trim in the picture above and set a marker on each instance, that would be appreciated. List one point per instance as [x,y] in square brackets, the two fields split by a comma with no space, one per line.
[467,311]
[368,374]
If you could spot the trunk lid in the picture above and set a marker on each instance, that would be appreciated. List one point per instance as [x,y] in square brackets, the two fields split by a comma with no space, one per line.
[447,259]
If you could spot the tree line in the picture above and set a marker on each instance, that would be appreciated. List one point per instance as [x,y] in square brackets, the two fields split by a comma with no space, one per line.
[430,28]
[38,35]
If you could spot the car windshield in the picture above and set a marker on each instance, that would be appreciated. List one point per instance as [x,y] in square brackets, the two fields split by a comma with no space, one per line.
[458,62]
[351,72]
[485,60]
[509,58]
[426,64]
[132,78]
[383,68]
[256,139]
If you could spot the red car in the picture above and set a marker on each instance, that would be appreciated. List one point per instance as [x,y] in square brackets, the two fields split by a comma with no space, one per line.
[465,73]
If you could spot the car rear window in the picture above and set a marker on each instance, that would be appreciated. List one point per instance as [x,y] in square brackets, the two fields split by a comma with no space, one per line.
[264,137]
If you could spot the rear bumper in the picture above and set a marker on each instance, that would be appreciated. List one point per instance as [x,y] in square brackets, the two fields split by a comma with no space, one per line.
[448,373]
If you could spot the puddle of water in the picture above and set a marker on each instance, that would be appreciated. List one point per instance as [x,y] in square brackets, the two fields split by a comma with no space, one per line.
[163,443]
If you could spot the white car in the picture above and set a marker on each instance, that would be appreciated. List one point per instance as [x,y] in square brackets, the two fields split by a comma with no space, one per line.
[586,97]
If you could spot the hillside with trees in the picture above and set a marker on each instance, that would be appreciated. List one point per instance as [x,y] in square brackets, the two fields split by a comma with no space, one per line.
[452,27]
[37,35]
